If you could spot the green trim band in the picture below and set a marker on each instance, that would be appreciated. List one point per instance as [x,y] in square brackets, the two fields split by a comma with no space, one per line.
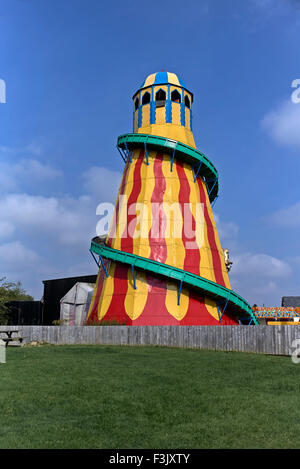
[208,287]
[183,152]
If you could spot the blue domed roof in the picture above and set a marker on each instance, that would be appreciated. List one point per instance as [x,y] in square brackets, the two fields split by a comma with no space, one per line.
[160,78]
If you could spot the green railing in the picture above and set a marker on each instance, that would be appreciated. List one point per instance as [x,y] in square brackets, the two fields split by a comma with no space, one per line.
[201,165]
[205,286]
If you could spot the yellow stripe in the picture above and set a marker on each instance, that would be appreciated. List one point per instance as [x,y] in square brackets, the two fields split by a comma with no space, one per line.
[150,80]
[206,261]
[160,115]
[177,311]
[172,88]
[173,238]
[220,252]
[187,118]
[160,87]
[143,209]
[211,308]
[136,117]
[122,221]
[94,294]
[196,209]
[111,225]
[172,78]
[146,115]
[175,132]
[176,108]
[135,300]
[107,292]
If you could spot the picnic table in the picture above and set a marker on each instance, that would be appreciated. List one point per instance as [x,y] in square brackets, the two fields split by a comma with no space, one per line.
[8,336]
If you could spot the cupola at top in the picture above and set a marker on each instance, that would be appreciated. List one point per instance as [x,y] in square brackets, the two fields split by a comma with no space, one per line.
[163,106]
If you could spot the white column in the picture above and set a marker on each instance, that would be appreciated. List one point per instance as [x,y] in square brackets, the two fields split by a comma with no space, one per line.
[2,351]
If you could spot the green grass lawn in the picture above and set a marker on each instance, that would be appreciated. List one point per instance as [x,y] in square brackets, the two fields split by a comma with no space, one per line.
[147,397]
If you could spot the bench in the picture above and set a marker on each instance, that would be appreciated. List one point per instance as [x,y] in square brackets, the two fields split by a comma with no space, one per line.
[13,339]
[9,339]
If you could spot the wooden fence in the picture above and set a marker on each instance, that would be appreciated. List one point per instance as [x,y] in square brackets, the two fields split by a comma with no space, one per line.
[274,340]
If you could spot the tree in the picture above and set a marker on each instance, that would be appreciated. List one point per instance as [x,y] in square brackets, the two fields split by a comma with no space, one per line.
[10,291]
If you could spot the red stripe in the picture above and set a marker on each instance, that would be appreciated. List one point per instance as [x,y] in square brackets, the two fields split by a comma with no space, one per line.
[211,238]
[116,310]
[127,240]
[156,235]
[198,314]
[192,256]
[116,214]
[155,312]
[228,319]
[99,286]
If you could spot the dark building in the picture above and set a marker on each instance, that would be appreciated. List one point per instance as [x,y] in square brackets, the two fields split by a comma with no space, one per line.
[24,313]
[290,301]
[54,290]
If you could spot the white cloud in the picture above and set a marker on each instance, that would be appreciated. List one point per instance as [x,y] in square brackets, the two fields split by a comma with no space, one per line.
[66,221]
[44,236]
[263,3]
[102,183]
[61,230]
[259,265]
[283,123]
[286,217]
[6,229]
[21,263]
[260,278]
[35,170]
[29,172]
[59,226]
[31,149]
[34,149]
[227,231]
[276,6]
[16,256]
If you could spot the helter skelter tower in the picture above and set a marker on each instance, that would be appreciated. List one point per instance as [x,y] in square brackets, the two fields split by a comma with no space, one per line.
[162,262]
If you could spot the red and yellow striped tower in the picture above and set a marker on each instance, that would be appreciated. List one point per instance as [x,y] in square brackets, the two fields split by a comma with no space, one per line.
[162,262]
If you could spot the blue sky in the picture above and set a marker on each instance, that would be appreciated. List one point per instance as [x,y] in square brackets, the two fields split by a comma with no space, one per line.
[71,68]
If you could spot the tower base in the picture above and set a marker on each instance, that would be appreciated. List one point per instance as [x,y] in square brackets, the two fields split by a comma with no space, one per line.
[140,298]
